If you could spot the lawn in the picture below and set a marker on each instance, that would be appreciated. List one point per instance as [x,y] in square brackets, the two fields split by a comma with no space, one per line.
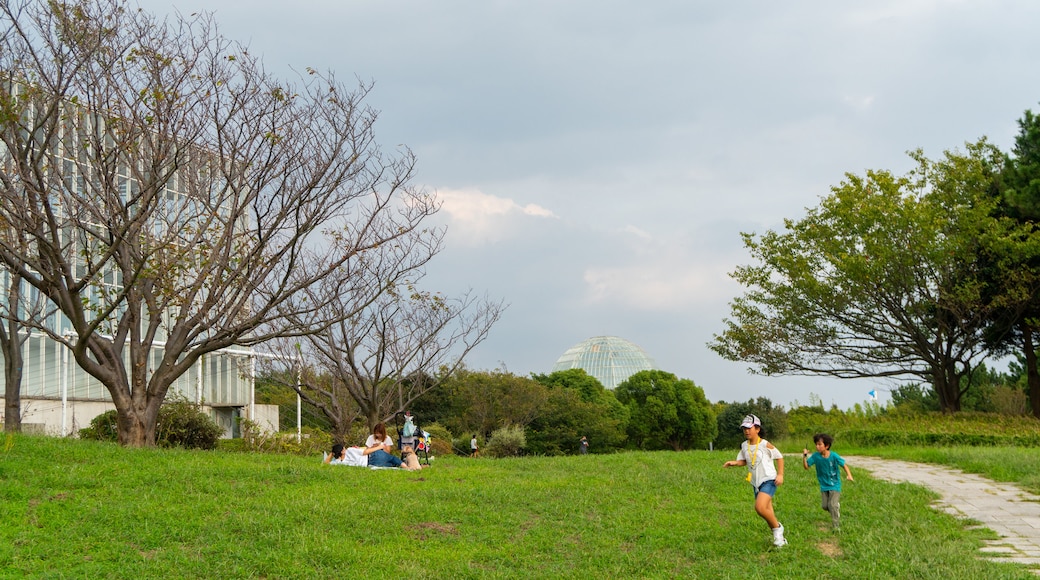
[79,509]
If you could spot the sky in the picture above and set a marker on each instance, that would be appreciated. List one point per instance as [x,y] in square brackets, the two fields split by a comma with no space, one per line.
[598,160]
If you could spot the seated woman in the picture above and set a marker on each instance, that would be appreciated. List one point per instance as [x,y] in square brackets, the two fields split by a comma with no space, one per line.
[378,447]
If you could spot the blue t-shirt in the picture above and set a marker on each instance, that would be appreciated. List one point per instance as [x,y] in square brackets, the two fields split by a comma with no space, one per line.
[828,470]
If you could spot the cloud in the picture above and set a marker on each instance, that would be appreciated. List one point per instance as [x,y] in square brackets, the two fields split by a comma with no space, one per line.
[664,273]
[476,217]
[859,103]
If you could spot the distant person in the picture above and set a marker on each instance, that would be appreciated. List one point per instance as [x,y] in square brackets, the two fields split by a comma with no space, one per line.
[758,455]
[584,447]
[378,448]
[473,451]
[828,472]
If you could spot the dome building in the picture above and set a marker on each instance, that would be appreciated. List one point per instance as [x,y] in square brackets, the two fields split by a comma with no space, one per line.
[608,358]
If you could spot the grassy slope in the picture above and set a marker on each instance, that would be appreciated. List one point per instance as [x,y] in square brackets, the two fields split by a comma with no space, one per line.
[82,509]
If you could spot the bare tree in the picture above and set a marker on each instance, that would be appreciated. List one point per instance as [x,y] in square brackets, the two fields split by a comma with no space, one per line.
[176,195]
[384,351]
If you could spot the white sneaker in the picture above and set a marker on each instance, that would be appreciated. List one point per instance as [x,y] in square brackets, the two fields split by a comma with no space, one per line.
[778,536]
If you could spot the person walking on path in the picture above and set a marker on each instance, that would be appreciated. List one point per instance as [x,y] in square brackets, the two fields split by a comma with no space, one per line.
[828,473]
[473,446]
[758,455]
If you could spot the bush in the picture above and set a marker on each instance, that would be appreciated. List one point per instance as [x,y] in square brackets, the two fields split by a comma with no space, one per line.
[508,441]
[183,424]
[309,441]
[1010,401]
[440,438]
[102,428]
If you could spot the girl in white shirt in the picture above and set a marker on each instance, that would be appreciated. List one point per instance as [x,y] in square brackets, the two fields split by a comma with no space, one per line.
[758,455]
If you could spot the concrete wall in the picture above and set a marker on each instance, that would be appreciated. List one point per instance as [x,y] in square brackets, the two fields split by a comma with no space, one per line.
[44,416]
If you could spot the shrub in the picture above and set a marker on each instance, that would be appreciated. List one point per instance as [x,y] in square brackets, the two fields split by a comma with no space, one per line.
[440,438]
[183,424]
[309,441]
[102,428]
[506,442]
[1010,401]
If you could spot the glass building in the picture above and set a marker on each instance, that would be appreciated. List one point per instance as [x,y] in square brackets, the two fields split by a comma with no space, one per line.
[608,358]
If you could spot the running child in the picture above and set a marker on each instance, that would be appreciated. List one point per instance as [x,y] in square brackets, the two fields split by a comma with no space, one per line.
[758,455]
[828,472]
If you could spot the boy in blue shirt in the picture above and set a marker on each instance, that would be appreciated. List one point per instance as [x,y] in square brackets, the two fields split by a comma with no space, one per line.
[828,472]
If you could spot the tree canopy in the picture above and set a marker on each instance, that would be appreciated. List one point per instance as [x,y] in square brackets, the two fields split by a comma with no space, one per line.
[885,278]
[577,405]
[666,412]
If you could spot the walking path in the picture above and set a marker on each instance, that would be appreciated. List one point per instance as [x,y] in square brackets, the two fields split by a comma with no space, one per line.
[1002,507]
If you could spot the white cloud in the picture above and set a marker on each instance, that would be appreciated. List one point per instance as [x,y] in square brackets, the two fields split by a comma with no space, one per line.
[476,217]
[859,103]
[663,274]
[634,230]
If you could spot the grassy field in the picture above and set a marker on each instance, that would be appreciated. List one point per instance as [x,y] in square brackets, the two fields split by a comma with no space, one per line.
[77,509]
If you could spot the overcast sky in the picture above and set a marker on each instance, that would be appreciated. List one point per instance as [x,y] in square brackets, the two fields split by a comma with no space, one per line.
[598,160]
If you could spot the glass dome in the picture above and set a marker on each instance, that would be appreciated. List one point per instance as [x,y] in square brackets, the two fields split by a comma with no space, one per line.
[608,358]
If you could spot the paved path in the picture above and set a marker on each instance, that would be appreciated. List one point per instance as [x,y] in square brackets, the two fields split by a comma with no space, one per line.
[1002,507]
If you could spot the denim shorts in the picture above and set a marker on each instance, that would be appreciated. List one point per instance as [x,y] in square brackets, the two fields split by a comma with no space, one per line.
[767,487]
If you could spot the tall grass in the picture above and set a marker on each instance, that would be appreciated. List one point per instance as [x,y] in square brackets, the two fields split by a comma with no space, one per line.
[79,509]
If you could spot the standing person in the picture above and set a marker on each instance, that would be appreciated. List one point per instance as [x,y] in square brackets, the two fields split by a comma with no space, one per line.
[584,449]
[378,448]
[758,455]
[828,472]
[473,446]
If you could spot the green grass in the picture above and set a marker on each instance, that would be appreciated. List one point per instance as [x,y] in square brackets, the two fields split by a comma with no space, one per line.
[1019,465]
[78,509]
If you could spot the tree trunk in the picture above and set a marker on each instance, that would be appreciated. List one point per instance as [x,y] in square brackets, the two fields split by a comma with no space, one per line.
[13,389]
[946,383]
[12,342]
[339,431]
[1032,375]
[135,430]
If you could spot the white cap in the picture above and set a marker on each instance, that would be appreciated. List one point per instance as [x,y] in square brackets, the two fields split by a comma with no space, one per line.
[750,421]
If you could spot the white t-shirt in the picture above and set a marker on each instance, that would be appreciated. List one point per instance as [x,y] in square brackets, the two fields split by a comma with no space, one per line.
[759,460]
[371,442]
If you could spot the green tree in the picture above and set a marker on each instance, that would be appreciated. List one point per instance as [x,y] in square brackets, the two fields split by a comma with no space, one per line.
[774,420]
[577,405]
[666,412]
[914,397]
[883,278]
[483,401]
[1017,327]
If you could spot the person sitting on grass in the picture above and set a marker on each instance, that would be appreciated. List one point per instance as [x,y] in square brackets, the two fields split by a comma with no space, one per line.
[378,447]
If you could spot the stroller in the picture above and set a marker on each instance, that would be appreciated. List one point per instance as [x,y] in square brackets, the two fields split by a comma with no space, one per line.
[410,434]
